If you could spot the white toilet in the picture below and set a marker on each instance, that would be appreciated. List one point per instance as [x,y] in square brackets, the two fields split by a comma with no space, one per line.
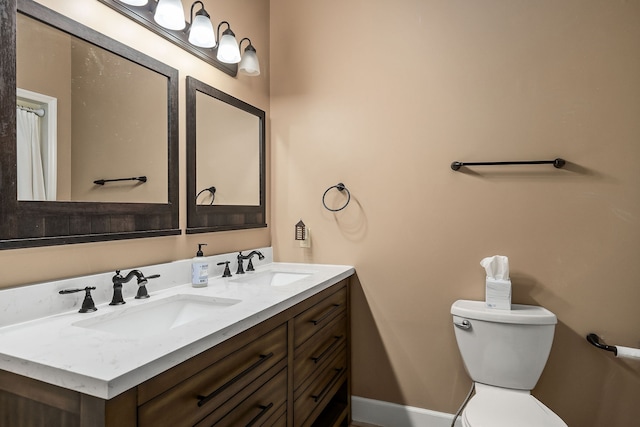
[504,352]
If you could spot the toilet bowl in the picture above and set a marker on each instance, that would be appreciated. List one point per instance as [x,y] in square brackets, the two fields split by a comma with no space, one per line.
[504,353]
[500,407]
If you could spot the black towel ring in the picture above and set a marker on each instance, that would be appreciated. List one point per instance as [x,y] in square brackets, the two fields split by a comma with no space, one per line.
[340,187]
[211,190]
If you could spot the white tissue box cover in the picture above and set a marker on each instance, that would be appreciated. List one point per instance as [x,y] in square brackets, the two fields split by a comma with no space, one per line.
[498,294]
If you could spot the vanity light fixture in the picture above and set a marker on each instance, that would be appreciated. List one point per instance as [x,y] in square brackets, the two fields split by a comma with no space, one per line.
[249,64]
[166,18]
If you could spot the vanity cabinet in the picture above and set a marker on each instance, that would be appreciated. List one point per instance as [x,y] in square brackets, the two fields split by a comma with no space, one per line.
[291,370]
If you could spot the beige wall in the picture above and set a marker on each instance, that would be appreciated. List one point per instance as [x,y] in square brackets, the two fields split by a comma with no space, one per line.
[383,96]
[248,18]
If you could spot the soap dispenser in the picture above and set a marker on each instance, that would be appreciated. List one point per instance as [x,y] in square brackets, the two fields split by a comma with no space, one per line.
[199,269]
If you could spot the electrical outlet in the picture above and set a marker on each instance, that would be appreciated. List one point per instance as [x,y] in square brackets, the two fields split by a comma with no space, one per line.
[306,243]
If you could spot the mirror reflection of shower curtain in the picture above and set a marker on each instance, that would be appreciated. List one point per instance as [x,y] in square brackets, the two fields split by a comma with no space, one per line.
[30,174]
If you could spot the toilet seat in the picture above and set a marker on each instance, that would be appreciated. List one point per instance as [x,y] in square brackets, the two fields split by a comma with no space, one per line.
[500,407]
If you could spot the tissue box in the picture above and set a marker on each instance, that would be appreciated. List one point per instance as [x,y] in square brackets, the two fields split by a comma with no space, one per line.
[498,294]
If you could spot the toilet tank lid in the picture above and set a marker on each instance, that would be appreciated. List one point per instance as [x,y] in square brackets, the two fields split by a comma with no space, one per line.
[520,314]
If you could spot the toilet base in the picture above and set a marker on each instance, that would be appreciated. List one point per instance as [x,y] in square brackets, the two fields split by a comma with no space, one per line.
[501,407]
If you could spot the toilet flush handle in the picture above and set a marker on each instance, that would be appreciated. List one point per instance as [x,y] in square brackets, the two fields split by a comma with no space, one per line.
[465,324]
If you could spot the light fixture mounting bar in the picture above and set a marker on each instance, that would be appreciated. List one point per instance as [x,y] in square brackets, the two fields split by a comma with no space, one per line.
[143,15]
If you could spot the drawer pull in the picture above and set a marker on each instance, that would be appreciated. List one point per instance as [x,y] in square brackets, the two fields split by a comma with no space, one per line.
[325,390]
[202,400]
[326,314]
[327,350]
[264,410]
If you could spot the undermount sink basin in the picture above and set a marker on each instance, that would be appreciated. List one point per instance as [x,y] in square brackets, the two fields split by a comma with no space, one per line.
[156,317]
[273,278]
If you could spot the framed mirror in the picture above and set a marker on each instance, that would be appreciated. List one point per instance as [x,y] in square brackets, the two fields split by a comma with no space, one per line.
[225,161]
[89,134]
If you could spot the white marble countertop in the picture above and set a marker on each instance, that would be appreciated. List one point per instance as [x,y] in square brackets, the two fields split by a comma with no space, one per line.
[104,364]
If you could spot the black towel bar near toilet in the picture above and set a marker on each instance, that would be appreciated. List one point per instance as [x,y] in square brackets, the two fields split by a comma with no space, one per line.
[595,340]
[557,163]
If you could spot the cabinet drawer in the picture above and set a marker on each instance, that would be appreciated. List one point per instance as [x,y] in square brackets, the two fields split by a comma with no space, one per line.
[262,408]
[318,350]
[313,319]
[277,419]
[314,395]
[281,421]
[196,397]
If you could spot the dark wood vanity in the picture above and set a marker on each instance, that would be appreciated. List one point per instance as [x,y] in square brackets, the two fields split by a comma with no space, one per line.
[290,370]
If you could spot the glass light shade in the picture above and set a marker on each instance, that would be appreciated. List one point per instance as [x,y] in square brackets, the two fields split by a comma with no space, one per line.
[135,2]
[201,33]
[228,50]
[249,64]
[170,14]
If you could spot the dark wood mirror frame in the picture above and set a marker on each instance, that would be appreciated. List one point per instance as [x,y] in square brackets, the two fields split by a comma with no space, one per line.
[30,224]
[205,218]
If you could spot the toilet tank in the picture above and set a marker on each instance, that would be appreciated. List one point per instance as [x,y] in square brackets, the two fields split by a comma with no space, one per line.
[503,348]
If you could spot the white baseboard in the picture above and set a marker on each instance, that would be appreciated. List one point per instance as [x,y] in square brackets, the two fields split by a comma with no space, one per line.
[386,414]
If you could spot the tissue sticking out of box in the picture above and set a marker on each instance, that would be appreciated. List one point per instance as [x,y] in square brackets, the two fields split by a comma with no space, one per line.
[497,267]
[498,284]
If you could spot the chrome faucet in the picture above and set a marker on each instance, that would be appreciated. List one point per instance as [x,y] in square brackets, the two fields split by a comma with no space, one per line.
[118,280]
[249,256]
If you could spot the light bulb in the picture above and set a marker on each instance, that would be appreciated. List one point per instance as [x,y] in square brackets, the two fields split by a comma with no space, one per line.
[201,32]
[228,51]
[249,64]
[170,14]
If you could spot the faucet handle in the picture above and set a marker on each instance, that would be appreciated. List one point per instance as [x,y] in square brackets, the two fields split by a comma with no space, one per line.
[88,305]
[142,292]
[227,272]
[250,265]
[142,286]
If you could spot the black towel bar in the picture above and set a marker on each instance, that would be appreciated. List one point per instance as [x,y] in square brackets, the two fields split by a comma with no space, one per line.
[557,163]
[595,340]
[103,181]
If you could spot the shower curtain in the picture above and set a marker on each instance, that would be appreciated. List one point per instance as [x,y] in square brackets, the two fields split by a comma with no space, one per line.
[30,172]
